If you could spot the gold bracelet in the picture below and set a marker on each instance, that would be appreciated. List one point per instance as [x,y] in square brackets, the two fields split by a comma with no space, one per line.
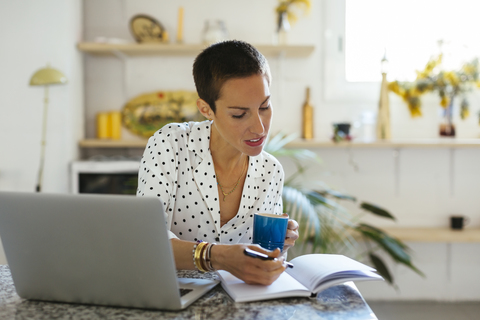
[203,256]
[203,263]
[198,256]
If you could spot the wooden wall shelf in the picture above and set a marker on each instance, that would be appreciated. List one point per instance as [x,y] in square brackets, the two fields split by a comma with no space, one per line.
[134,49]
[106,143]
[435,234]
[433,143]
[417,143]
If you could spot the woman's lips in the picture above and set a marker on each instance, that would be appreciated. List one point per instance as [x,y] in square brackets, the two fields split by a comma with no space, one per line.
[255,142]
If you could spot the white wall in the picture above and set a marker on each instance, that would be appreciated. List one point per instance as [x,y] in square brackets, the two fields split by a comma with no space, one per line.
[450,270]
[32,34]
[250,20]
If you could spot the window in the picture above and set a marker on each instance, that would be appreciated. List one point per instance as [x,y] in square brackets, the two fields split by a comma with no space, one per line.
[409,31]
[357,33]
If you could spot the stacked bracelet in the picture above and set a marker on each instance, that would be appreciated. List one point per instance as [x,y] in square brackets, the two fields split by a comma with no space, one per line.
[198,256]
[208,259]
[193,254]
[202,256]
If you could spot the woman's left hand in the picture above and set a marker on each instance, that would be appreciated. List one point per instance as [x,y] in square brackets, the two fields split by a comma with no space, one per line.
[292,234]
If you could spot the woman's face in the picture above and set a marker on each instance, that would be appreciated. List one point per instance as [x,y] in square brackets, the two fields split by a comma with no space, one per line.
[243,114]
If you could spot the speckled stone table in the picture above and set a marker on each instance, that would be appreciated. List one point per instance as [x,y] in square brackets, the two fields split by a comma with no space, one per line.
[339,302]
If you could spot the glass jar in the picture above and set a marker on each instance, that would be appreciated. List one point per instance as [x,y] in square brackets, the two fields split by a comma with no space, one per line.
[214,31]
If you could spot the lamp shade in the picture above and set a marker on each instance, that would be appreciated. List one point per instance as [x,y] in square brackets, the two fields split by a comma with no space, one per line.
[46,76]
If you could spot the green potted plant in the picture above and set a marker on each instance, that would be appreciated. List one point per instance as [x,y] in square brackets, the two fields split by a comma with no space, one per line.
[328,227]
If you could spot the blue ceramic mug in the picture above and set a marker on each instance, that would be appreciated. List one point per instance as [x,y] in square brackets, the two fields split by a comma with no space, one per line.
[269,230]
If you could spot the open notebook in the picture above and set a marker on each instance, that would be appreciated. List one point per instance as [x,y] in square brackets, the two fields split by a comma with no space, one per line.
[311,274]
[93,249]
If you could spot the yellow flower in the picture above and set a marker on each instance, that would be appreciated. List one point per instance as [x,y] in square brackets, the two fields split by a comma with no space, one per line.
[445,101]
[429,67]
[421,74]
[288,5]
[448,84]
[282,7]
[414,105]
[464,110]
[394,86]
[464,113]
[452,77]
[415,112]
[469,69]
[441,81]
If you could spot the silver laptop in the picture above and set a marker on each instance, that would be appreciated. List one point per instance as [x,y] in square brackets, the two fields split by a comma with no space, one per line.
[93,249]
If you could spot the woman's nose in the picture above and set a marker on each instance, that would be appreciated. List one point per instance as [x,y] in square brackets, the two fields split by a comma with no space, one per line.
[257,125]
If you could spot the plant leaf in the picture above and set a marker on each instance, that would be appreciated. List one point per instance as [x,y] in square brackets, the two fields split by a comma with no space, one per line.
[381,267]
[278,141]
[337,195]
[276,146]
[376,210]
[299,207]
[398,241]
[317,199]
[387,243]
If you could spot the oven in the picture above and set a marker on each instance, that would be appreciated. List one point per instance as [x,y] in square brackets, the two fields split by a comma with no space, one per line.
[104,176]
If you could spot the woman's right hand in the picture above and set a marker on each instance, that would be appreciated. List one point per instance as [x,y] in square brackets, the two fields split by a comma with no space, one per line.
[251,270]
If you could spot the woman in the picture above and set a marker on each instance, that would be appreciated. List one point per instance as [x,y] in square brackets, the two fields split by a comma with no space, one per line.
[212,176]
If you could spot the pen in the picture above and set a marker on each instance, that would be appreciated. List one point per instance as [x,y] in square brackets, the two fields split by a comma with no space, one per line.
[259,255]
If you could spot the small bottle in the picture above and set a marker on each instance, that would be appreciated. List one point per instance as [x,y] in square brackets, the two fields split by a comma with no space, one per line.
[307,117]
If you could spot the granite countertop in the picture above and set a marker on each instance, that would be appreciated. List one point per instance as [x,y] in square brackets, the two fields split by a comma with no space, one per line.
[339,302]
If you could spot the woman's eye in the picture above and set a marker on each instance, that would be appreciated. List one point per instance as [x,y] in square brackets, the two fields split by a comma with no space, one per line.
[238,116]
[265,108]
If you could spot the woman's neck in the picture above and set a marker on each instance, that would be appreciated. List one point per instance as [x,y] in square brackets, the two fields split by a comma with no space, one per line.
[225,157]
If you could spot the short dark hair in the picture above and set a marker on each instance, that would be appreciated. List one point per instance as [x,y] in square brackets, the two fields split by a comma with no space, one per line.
[224,61]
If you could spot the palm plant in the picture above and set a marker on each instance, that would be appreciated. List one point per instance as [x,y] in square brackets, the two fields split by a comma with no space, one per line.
[328,227]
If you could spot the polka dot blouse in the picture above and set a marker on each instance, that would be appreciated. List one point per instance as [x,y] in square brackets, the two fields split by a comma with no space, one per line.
[177,167]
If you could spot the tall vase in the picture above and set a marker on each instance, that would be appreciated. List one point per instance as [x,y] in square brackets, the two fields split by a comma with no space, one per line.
[283,27]
[384,131]
[447,128]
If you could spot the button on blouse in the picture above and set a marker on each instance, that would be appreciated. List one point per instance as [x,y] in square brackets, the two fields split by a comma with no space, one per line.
[177,167]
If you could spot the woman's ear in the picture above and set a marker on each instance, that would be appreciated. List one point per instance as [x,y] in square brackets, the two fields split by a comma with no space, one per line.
[204,109]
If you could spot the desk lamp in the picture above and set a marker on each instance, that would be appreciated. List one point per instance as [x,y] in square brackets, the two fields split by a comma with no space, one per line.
[45,77]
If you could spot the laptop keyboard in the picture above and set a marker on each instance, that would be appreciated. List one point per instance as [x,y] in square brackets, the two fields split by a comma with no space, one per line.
[184,291]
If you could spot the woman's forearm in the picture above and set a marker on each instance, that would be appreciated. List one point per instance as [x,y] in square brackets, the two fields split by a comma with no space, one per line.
[232,259]
[183,254]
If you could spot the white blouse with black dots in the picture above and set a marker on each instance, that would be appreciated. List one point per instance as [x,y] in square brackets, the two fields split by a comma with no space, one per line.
[177,166]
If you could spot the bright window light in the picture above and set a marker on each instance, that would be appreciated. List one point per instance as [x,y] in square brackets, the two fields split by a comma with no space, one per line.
[409,32]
